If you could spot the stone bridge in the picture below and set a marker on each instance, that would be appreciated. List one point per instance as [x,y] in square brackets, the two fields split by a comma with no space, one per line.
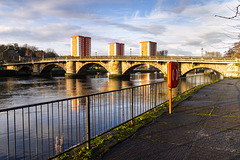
[123,66]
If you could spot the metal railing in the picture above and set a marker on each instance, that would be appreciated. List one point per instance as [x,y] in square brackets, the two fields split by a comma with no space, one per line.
[44,130]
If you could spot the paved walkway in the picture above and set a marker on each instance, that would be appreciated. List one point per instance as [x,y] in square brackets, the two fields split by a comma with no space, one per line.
[205,126]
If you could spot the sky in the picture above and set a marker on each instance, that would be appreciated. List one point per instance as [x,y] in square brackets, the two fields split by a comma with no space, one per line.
[182,27]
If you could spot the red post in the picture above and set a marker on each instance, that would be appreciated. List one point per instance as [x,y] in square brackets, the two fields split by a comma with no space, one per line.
[172,80]
[170,101]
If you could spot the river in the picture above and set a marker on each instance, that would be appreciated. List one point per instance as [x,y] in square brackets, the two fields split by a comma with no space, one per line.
[18,91]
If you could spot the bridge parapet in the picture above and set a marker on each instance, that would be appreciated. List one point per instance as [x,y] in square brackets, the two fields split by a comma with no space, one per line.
[131,58]
[122,65]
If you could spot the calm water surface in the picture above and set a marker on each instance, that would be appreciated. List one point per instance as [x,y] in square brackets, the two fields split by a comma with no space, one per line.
[28,90]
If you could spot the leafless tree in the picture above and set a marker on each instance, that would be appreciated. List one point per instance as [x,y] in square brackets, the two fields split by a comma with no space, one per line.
[235,50]
[236,13]
[213,54]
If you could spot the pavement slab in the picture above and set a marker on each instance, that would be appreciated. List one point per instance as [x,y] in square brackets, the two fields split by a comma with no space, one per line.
[204,126]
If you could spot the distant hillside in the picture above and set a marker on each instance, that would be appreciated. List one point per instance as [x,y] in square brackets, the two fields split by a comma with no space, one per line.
[13,52]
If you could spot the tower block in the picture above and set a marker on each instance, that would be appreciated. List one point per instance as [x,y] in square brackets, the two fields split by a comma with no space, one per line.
[115,49]
[80,46]
[148,48]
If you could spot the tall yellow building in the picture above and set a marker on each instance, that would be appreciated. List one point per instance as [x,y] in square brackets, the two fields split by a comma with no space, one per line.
[115,49]
[80,46]
[148,48]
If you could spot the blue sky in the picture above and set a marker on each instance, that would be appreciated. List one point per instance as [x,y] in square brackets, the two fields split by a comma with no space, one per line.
[182,27]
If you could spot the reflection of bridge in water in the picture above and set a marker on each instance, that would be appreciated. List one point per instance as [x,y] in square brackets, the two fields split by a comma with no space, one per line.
[123,66]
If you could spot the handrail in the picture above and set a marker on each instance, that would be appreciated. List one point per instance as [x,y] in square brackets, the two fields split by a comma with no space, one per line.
[82,96]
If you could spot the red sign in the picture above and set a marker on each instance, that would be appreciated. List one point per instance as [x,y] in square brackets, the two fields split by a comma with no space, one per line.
[172,74]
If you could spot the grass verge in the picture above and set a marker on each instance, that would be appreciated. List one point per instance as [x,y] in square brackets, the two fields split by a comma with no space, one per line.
[102,144]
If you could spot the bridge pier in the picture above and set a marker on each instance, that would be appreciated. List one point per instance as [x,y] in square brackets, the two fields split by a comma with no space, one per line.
[114,76]
[115,70]
[119,76]
[70,70]
[70,75]
[36,70]
[35,74]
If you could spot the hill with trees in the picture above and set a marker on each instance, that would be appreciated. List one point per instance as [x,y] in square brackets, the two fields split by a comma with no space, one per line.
[13,52]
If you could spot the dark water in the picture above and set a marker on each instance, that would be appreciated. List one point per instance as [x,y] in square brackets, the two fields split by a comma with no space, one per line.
[42,131]
[28,90]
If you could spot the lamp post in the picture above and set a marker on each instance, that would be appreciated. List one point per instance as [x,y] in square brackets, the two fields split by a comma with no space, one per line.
[130,52]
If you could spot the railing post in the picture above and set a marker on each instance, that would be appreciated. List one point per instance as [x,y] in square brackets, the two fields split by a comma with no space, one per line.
[131,105]
[195,80]
[155,96]
[88,121]
[179,86]
[200,80]
[191,79]
[8,151]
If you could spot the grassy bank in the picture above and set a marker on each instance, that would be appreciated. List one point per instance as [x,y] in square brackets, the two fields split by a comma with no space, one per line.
[102,144]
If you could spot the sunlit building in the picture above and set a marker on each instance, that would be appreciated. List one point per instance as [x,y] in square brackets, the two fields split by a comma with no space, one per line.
[148,48]
[80,46]
[115,49]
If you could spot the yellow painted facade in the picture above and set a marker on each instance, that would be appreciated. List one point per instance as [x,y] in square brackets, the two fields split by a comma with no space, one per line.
[111,49]
[115,49]
[74,45]
[80,46]
[148,48]
[144,48]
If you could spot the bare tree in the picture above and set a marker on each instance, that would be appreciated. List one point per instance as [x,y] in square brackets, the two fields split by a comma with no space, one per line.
[236,13]
[162,53]
[213,54]
[235,50]
[51,53]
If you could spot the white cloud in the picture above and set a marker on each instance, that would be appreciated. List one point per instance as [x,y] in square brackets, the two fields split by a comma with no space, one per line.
[182,28]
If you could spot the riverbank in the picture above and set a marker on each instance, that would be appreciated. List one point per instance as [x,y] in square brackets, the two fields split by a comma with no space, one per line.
[104,143]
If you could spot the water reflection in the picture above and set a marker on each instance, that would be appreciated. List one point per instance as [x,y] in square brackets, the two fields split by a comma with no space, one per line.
[23,91]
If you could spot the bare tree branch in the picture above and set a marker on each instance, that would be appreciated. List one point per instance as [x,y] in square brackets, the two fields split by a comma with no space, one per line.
[236,14]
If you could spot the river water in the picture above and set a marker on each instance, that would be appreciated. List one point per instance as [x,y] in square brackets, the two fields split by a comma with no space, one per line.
[48,129]
[18,91]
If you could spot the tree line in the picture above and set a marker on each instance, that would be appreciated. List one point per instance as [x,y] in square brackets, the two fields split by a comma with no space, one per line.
[11,52]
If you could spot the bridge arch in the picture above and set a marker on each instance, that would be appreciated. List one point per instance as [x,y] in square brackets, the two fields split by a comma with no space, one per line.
[25,70]
[81,68]
[216,67]
[200,70]
[127,70]
[48,67]
[25,67]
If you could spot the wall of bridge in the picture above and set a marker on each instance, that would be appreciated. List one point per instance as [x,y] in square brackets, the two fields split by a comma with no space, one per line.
[186,67]
[127,67]
[120,68]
